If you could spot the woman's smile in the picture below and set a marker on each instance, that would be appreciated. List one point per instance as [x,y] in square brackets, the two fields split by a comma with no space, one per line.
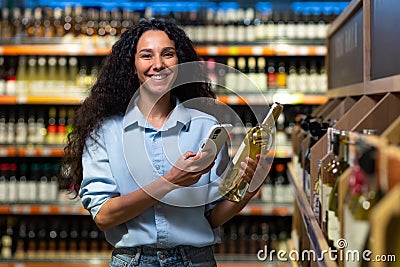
[155,60]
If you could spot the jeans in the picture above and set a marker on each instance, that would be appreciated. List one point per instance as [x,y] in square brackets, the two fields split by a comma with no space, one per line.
[180,256]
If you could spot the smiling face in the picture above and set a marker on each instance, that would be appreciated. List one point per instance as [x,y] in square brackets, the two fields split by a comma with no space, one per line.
[155,60]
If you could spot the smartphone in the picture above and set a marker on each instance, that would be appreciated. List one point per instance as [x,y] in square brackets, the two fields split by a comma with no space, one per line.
[216,138]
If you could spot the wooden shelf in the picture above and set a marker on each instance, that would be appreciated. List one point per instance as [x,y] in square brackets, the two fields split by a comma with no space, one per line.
[315,235]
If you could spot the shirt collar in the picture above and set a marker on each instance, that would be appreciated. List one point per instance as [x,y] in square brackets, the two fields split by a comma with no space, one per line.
[179,114]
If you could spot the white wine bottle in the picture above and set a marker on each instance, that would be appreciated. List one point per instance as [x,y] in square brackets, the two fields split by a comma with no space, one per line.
[258,140]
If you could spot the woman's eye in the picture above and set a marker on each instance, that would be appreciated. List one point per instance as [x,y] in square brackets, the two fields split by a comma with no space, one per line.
[145,56]
[169,54]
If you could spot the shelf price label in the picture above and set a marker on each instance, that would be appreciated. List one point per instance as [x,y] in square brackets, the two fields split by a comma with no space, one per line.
[212,50]
[257,50]
[233,51]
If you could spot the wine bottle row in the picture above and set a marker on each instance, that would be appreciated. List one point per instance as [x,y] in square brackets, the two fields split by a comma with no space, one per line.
[32,237]
[248,235]
[276,188]
[24,182]
[44,125]
[46,76]
[249,25]
[70,76]
[267,74]
[51,237]
[352,179]
[224,23]
[50,125]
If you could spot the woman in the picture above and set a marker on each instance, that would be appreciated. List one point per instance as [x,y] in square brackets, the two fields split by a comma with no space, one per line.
[119,162]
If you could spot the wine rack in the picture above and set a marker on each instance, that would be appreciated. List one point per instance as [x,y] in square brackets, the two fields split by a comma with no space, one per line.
[363,98]
[88,49]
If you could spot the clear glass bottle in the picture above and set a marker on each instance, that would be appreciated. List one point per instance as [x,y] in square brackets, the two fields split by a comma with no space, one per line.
[316,195]
[327,182]
[364,194]
[340,166]
[258,140]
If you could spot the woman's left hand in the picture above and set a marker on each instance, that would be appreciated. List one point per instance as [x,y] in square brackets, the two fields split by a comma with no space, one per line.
[255,172]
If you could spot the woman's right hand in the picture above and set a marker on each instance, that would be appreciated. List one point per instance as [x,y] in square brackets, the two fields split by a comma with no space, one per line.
[188,169]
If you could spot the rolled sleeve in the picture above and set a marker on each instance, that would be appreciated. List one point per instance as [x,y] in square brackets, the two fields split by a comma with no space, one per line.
[98,184]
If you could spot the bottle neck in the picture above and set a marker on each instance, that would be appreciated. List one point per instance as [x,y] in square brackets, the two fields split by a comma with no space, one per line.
[343,151]
[273,114]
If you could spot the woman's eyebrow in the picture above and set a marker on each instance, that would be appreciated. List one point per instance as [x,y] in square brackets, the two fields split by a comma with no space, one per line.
[150,50]
[168,48]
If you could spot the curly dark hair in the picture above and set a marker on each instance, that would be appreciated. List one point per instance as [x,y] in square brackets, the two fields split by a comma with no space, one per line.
[116,85]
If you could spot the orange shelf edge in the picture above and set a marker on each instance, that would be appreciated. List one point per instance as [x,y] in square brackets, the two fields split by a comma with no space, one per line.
[219,50]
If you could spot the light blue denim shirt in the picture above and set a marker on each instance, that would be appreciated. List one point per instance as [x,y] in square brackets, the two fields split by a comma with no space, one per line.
[130,153]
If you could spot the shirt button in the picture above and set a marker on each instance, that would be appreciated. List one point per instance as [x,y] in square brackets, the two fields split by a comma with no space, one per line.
[157,167]
[158,207]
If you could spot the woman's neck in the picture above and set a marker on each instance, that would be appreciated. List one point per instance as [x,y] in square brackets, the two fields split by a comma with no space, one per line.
[155,110]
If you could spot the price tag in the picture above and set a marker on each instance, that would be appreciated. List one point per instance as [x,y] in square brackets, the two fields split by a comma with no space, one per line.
[303,51]
[257,50]
[320,50]
[212,50]
[22,99]
[46,151]
[3,151]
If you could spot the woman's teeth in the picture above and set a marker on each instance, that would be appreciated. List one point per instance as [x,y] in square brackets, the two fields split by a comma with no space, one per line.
[158,77]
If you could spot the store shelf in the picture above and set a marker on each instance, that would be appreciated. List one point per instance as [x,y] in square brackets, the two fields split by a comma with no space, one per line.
[44,100]
[53,50]
[268,209]
[31,151]
[280,49]
[260,50]
[43,209]
[316,237]
[281,96]
[253,208]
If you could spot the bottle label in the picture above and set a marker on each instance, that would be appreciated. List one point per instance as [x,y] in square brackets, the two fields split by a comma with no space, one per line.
[333,227]
[241,149]
[316,206]
[267,192]
[355,232]
[326,191]
[31,187]
[307,184]
[43,190]
[220,34]
[3,190]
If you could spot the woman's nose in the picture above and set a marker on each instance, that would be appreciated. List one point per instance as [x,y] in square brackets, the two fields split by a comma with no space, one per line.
[158,63]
